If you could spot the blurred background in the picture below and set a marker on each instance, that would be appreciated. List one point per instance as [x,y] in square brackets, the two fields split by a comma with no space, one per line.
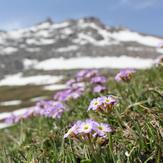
[42,43]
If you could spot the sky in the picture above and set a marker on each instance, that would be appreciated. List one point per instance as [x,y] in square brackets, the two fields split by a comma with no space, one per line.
[139,15]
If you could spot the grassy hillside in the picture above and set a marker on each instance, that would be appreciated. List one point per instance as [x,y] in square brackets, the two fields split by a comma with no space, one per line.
[23,93]
[136,121]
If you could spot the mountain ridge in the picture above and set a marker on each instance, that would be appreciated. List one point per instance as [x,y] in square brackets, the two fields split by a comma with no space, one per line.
[72,38]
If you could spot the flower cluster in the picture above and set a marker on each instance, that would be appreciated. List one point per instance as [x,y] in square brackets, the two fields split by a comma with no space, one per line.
[89,131]
[76,86]
[99,89]
[94,78]
[86,75]
[70,93]
[51,109]
[124,75]
[102,104]
[98,80]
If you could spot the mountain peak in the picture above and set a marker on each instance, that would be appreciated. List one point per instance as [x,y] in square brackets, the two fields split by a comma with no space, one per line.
[47,20]
[93,20]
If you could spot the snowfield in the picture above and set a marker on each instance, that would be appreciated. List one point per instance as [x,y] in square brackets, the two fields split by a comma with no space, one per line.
[29,63]
[10,103]
[129,36]
[4,125]
[20,80]
[55,87]
[96,62]
[8,50]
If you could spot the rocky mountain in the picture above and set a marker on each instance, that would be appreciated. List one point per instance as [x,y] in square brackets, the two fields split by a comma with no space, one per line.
[22,48]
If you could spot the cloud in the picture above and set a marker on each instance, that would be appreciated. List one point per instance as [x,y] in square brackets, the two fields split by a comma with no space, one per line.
[139,4]
[10,25]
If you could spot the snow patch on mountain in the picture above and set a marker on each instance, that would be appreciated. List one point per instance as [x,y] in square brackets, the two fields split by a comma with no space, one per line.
[31,50]
[134,49]
[103,32]
[8,50]
[68,48]
[128,36]
[55,87]
[20,80]
[29,63]
[42,41]
[159,50]
[10,103]
[94,62]
[67,31]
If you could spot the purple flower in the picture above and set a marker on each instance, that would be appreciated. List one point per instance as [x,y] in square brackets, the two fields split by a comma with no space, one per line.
[42,104]
[81,73]
[103,128]
[103,104]
[99,89]
[73,131]
[71,93]
[95,104]
[108,103]
[109,100]
[89,131]
[91,73]
[85,75]
[98,80]
[52,109]
[85,127]
[124,75]
[81,128]
[63,95]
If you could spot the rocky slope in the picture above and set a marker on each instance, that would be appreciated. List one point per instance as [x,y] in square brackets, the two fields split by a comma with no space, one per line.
[20,49]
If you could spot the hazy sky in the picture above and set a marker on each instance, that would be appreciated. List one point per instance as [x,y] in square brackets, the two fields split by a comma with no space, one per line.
[140,15]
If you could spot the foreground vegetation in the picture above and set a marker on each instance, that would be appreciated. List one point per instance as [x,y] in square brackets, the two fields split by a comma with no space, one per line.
[137,123]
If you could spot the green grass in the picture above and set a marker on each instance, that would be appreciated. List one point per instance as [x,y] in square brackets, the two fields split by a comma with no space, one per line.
[137,123]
